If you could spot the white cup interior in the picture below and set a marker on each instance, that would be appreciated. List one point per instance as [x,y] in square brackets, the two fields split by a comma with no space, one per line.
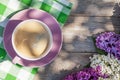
[49,44]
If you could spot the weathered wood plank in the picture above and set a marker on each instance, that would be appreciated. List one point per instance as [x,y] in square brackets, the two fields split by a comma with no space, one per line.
[78,32]
[62,65]
[94,7]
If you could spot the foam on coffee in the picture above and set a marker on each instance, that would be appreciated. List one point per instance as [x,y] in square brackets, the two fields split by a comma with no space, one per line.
[31,39]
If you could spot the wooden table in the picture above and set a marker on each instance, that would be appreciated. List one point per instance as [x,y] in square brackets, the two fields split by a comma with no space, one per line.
[88,17]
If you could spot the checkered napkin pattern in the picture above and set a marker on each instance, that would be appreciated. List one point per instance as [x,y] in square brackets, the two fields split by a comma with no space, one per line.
[15,72]
[60,9]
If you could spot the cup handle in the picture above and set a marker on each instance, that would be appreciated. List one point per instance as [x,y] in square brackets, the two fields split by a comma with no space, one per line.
[16,60]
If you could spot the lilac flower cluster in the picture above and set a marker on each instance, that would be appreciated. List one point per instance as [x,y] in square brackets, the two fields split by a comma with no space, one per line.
[87,74]
[110,42]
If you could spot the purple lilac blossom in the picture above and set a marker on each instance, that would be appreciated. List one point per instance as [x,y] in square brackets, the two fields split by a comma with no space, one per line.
[103,40]
[110,42]
[87,74]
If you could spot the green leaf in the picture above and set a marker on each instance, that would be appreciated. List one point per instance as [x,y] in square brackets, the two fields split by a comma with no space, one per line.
[2,53]
[88,65]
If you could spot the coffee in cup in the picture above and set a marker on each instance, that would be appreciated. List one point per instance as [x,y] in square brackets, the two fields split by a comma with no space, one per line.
[31,39]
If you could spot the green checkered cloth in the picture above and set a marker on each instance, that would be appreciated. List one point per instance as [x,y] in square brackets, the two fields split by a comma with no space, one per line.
[8,71]
[60,9]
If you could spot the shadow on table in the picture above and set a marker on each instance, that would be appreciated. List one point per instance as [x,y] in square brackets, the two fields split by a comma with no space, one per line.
[88,17]
[56,76]
[116,18]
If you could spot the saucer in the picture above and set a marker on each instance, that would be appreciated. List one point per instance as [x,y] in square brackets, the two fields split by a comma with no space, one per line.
[42,16]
